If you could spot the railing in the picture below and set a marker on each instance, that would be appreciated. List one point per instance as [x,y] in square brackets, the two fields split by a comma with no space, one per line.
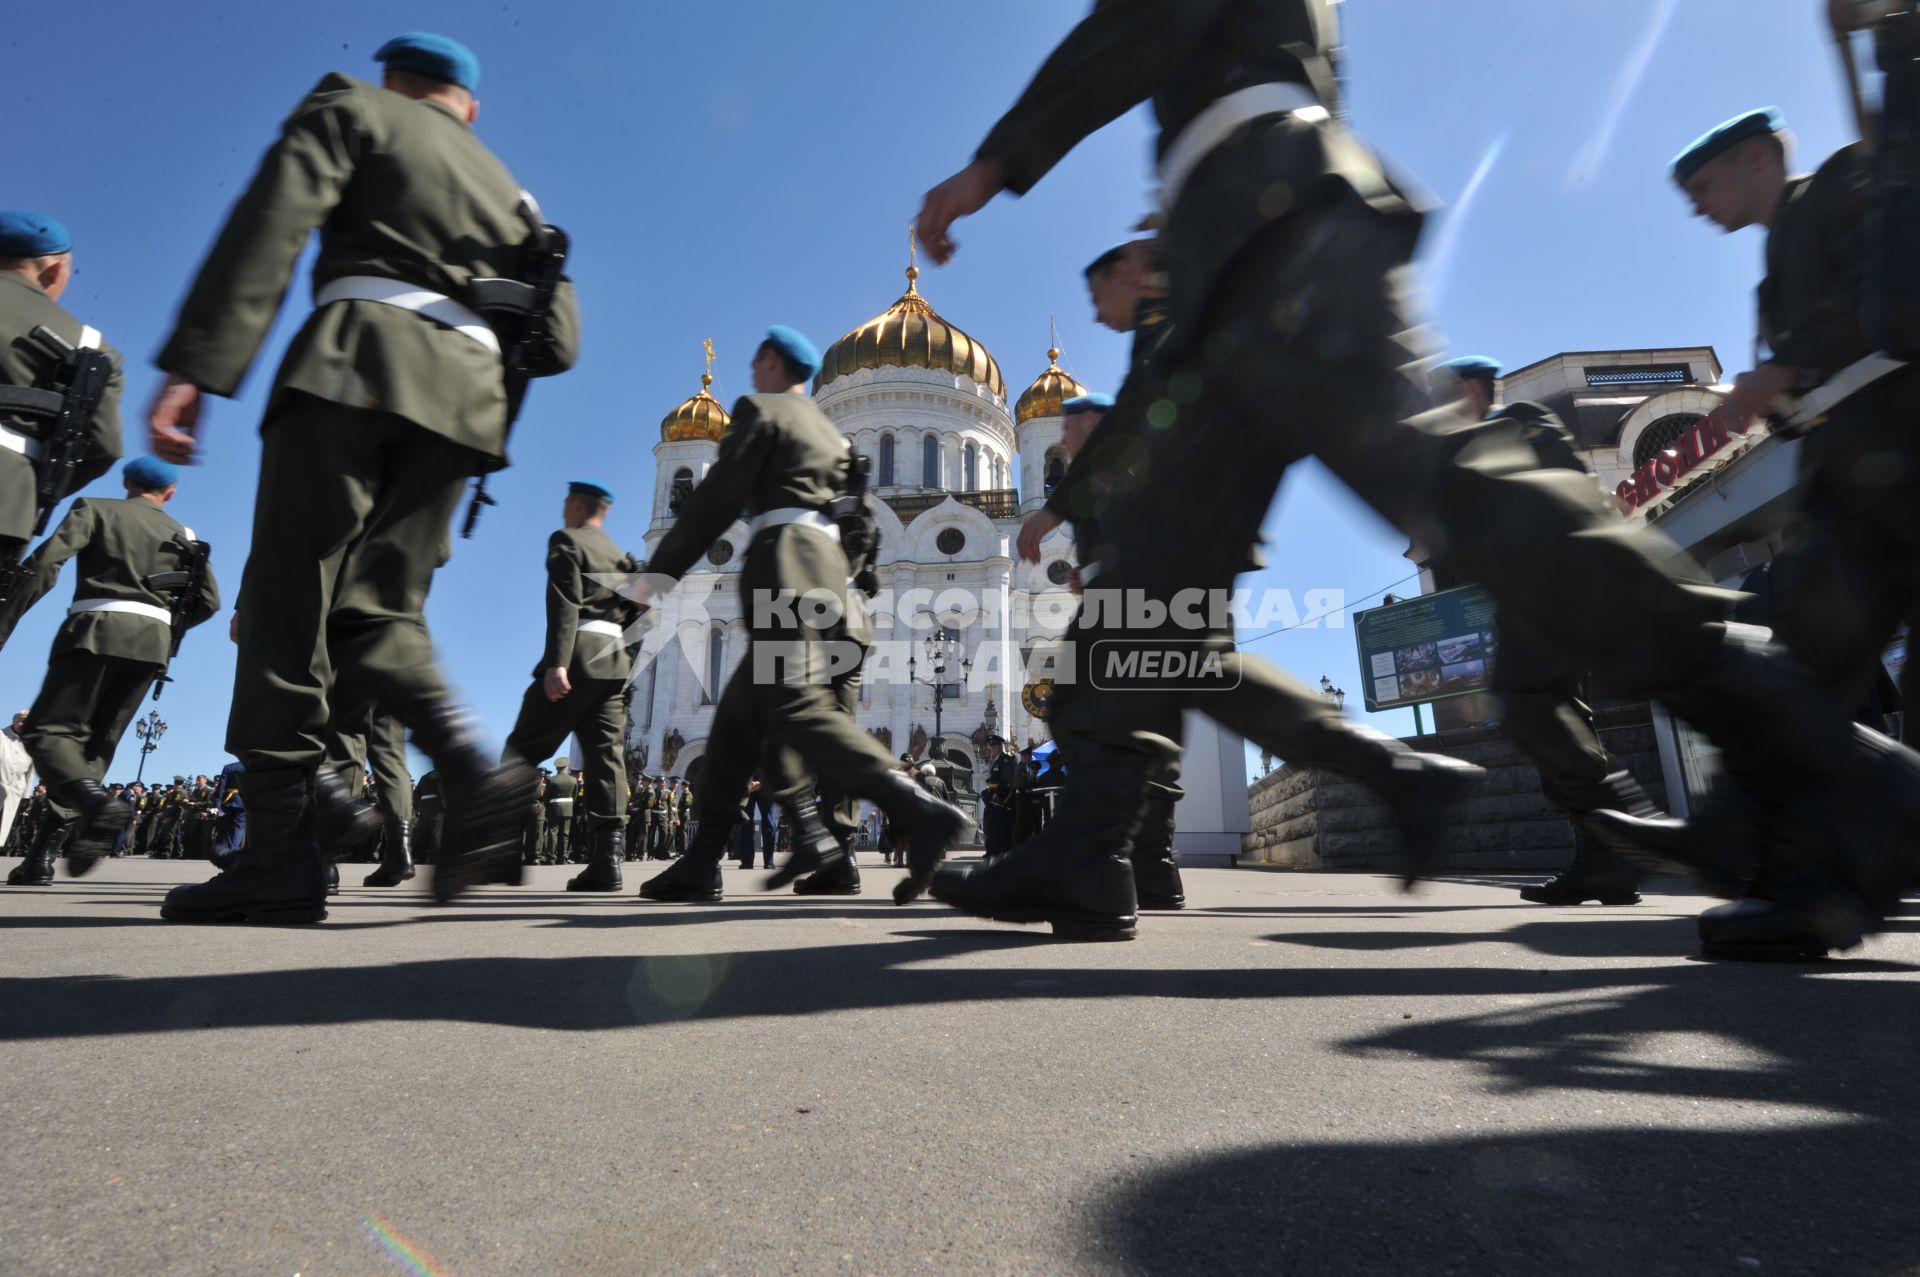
[998,503]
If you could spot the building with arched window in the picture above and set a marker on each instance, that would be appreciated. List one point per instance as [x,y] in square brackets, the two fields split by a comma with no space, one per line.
[910,385]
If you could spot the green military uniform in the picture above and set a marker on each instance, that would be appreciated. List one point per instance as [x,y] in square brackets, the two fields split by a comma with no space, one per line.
[1849,579]
[429,818]
[563,792]
[116,640]
[533,843]
[139,831]
[782,463]
[164,844]
[378,415]
[586,624]
[24,362]
[376,743]
[196,840]
[1287,244]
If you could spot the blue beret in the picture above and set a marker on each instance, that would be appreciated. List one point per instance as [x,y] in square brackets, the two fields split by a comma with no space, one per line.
[581,488]
[1762,123]
[796,347]
[1086,403]
[1470,366]
[24,234]
[149,474]
[433,56]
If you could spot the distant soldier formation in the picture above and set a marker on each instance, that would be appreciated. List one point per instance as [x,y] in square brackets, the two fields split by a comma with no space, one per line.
[1267,303]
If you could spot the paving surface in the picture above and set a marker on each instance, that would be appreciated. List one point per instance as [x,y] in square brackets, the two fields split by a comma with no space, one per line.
[1302,1074]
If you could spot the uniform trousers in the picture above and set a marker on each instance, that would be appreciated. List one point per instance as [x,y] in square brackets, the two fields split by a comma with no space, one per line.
[77,721]
[595,712]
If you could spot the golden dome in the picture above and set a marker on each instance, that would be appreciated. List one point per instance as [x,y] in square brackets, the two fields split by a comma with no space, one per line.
[1048,394]
[699,418]
[910,334]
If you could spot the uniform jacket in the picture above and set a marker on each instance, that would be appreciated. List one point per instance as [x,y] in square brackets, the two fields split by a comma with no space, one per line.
[119,543]
[23,362]
[1001,780]
[780,452]
[562,788]
[1812,305]
[397,188]
[575,557]
[1546,434]
[1184,55]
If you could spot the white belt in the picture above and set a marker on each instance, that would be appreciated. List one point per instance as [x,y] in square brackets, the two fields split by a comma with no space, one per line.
[423,301]
[1842,386]
[24,444]
[131,608]
[559,802]
[1221,120]
[792,514]
[609,628]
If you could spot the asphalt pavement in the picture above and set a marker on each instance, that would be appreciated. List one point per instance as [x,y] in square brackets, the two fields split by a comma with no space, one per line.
[1301,1074]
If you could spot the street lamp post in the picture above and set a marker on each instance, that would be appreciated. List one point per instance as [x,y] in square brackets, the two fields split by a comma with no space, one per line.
[940,649]
[1335,696]
[149,729]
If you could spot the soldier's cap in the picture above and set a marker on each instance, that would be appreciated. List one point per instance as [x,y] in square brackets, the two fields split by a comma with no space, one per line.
[795,346]
[598,491]
[562,763]
[996,740]
[1107,259]
[1710,146]
[24,234]
[433,56]
[179,780]
[1473,368]
[149,474]
[1086,403]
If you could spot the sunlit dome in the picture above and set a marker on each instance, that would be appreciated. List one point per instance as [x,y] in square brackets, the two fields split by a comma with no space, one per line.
[910,334]
[700,418]
[1049,393]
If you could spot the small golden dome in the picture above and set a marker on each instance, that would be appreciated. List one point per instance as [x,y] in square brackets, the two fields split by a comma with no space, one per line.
[699,418]
[1049,392]
[910,334]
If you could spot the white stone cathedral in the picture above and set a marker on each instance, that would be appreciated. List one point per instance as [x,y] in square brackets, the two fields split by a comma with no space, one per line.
[954,472]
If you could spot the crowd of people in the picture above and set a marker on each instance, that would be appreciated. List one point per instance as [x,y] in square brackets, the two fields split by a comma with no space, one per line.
[1276,328]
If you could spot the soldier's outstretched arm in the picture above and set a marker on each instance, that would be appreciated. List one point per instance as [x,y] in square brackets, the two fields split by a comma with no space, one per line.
[1114,60]
[721,496]
[42,567]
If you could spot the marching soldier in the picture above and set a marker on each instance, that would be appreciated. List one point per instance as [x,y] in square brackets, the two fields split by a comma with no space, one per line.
[782,465]
[579,686]
[118,637]
[636,818]
[164,843]
[354,811]
[1287,243]
[197,833]
[1543,706]
[429,817]
[390,399]
[36,266]
[656,819]
[562,792]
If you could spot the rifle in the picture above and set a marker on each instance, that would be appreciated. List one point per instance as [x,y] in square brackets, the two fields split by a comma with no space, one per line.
[69,396]
[186,588]
[520,310]
[859,532]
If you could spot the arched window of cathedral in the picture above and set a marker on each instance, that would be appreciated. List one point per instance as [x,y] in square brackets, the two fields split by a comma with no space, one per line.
[930,462]
[1056,469]
[886,461]
[716,664]
[972,468]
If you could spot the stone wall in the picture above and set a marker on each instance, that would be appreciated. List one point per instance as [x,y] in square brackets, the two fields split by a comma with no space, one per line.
[1305,818]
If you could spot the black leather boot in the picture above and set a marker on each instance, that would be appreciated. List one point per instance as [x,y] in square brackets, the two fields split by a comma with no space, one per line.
[37,869]
[344,822]
[1594,874]
[333,878]
[99,816]
[814,849]
[486,804]
[280,877]
[1156,870]
[695,877]
[1077,875]
[923,824]
[396,857]
[603,862]
[841,878]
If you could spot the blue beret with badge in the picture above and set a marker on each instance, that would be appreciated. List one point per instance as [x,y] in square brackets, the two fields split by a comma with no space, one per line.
[149,474]
[1086,403]
[24,234]
[433,56]
[598,491]
[1711,146]
[1475,367]
[795,347]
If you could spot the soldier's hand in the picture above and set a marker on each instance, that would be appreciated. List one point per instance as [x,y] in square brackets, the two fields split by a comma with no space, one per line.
[173,419]
[1753,395]
[962,195]
[557,684]
[1038,527]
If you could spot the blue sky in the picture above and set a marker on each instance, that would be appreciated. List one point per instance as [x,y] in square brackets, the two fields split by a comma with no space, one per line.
[739,163]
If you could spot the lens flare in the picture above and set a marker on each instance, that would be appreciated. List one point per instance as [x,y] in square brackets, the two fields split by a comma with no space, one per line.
[407,1254]
[1587,163]
[1440,263]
